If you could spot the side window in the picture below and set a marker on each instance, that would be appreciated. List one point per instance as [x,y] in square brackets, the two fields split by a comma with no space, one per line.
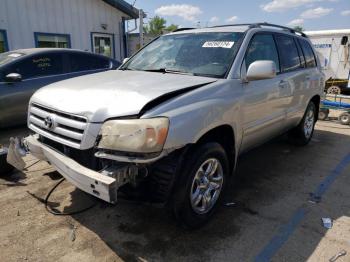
[308,53]
[38,66]
[301,54]
[262,47]
[288,52]
[85,62]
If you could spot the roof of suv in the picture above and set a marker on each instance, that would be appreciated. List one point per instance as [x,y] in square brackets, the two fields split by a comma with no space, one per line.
[240,28]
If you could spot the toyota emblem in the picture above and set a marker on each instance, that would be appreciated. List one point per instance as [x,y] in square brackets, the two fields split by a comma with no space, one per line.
[49,122]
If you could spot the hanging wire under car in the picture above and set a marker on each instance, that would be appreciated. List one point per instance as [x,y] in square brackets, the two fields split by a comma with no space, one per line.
[58,213]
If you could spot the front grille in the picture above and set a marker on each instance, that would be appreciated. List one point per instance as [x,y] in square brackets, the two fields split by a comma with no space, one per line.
[58,126]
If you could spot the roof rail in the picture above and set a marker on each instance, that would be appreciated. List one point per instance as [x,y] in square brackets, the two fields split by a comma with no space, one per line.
[257,25]
[282,27]
[183,29]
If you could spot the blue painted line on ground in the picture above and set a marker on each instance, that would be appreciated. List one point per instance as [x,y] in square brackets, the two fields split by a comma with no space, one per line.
[287,230]
[329,180]
[282,236]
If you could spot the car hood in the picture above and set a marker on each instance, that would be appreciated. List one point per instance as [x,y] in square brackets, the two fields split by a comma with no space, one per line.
[112,93]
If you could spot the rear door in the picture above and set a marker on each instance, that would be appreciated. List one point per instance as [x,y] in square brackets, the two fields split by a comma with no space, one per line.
[262,108]
[36,71]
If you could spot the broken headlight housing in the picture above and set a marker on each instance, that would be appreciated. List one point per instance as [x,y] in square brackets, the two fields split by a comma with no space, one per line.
[134,135]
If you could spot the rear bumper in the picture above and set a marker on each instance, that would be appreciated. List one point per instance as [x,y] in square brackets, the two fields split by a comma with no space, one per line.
[90,181]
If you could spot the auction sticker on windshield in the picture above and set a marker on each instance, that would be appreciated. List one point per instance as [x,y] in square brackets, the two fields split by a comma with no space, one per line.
[217,44]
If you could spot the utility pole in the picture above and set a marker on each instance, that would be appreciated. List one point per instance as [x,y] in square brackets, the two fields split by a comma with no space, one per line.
[141,27]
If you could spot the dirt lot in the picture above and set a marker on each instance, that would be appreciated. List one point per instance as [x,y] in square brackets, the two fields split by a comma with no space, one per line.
[272,217]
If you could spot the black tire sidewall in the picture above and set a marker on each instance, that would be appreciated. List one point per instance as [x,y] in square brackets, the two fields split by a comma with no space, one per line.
[298,135]
[181,202]
[344,122]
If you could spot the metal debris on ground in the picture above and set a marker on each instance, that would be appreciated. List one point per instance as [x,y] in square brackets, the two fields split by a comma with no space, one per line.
[230,204]
[327,222]
[73,229]
[335,257]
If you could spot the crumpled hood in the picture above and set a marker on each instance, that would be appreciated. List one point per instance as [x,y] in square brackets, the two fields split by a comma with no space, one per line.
[112,93]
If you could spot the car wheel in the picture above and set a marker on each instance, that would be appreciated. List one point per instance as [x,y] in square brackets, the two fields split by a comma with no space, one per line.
[323,114]
[334,90]
[344,118]
[302,134]
[201,186]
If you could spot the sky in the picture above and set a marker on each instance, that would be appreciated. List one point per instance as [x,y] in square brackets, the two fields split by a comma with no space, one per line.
[310,14]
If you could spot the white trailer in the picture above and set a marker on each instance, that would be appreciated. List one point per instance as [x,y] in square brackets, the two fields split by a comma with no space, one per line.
[332,47]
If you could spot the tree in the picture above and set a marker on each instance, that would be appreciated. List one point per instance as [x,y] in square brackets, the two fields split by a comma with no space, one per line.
[155,26]
[171,28]
[298,28]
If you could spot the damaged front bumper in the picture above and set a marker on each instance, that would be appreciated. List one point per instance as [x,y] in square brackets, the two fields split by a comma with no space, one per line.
[92,182]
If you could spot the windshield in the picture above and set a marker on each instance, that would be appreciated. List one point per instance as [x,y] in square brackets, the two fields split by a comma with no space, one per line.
[8,57]
[203,54]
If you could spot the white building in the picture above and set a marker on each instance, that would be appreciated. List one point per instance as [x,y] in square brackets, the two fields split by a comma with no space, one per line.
[92,25]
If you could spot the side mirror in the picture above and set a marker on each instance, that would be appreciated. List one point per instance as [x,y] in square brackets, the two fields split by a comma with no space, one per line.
[261,69]
[125,60]
[13,77]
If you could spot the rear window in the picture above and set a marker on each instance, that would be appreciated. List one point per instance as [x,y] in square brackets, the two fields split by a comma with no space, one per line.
[308,53]
[288,51]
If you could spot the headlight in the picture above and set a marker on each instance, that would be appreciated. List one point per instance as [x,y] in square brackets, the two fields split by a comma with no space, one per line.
[134,135]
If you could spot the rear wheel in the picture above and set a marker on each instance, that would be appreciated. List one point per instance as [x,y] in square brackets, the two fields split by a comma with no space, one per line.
[200,188]
[344,118]
[302,134]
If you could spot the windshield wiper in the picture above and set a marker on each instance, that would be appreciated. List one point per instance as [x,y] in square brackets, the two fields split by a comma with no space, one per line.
[171,71]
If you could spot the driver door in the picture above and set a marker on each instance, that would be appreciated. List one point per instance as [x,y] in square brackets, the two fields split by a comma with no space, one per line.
[262,108]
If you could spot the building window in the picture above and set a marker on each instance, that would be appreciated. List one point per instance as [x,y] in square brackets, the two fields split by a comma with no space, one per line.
[3,42]
[103,44]
[52,40]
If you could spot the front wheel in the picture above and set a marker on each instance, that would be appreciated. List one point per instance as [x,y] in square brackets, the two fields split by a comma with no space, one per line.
[202,183]
[302,134]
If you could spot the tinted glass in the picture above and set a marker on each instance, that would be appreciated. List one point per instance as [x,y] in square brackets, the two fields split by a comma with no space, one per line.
[301,54]
[3,44]
[84,62]
[262,47]
[308,53]
[288,53]
[38,66]
[209,54]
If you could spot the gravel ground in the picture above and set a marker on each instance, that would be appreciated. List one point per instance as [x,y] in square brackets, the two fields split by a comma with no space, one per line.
[275,182]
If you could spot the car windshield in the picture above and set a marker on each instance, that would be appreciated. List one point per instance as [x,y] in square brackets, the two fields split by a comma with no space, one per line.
[9,56]
[203,54]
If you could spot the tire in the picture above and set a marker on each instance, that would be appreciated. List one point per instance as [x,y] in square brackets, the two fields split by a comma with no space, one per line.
[302,134]
[193,187]
[336,90]
[344,118]
[323,114]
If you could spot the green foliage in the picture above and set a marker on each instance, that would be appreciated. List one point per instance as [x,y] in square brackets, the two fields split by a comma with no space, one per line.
[298,28]
[171,28]
[157,26]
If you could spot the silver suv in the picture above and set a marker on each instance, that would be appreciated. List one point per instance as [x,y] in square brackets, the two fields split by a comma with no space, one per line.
[171,122]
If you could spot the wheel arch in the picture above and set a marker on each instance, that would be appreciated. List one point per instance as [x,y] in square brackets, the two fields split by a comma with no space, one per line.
[317,101]
[225,136]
